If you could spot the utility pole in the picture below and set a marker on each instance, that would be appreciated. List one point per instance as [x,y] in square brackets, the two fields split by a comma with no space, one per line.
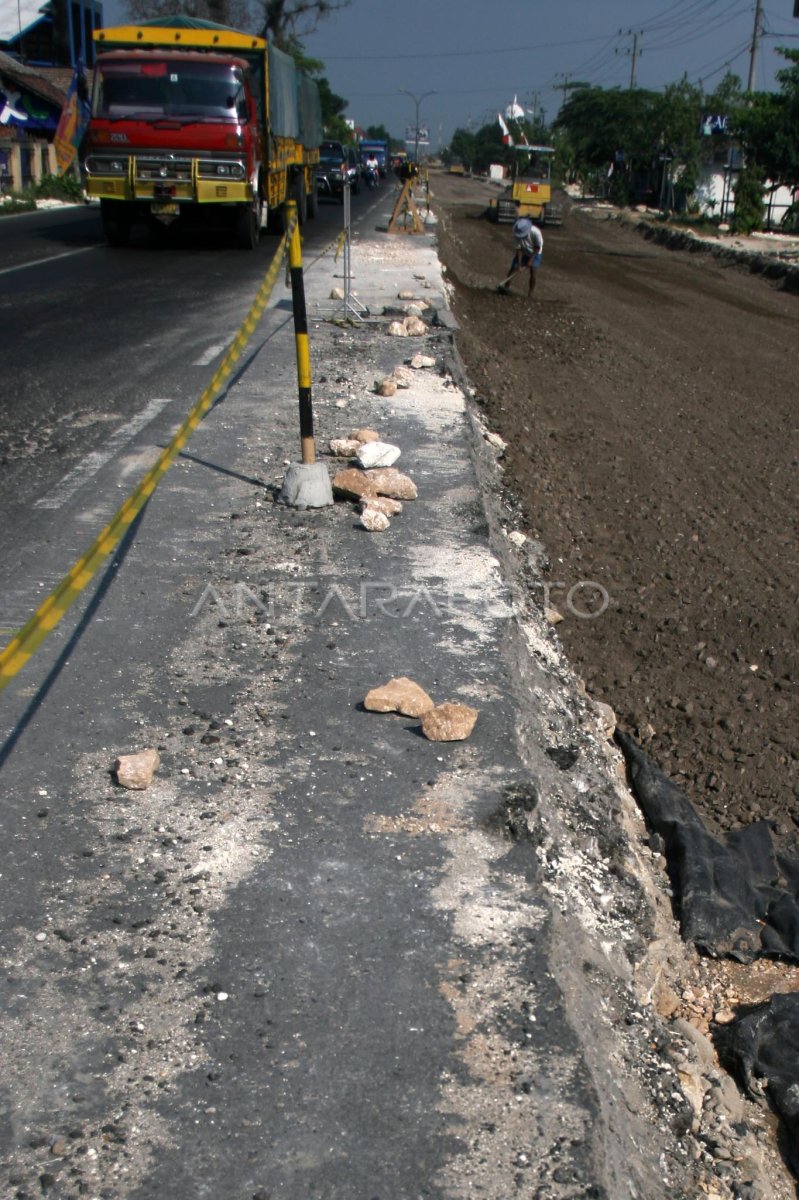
[634,54]
[756,34]
[564,86]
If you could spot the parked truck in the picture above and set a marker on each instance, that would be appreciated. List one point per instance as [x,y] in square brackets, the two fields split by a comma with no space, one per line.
[192,120]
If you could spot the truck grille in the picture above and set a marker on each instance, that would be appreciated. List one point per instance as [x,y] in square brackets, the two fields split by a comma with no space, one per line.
[163,169]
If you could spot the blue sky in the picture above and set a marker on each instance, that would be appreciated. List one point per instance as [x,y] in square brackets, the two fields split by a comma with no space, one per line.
[477,54]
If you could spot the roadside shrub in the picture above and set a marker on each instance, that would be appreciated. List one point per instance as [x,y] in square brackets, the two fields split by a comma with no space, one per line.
[748,215]
[790,221]
[16,202]
[59,187]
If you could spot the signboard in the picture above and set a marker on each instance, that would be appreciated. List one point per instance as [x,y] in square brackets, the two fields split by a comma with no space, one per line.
[422,134]
[715,123]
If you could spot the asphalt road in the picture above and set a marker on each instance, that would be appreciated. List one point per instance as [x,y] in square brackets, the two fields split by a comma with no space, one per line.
[108,347]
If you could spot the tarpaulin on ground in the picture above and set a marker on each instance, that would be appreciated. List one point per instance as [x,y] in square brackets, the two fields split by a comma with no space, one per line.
[763,1045]
[737,895]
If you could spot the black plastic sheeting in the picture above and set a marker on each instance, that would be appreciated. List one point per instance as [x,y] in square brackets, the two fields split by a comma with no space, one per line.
[763,1045]
[737,896]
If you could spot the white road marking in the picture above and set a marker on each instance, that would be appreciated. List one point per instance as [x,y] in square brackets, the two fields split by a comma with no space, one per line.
[210,354]
[93,462]
[38,262]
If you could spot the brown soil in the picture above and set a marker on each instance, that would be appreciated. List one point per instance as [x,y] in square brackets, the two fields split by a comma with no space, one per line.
[649,401]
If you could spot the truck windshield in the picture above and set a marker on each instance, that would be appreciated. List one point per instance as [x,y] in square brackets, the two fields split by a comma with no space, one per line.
[169,89]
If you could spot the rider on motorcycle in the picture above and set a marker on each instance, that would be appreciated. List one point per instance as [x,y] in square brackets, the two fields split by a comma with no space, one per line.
[372,171]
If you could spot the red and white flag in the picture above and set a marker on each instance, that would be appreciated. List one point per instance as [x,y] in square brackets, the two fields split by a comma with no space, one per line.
[507,140]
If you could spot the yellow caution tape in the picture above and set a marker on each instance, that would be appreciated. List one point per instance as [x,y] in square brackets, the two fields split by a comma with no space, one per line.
[16,654]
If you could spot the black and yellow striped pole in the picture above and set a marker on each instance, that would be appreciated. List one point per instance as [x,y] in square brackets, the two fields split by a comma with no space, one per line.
[306,484]
[22,646]
[301,337]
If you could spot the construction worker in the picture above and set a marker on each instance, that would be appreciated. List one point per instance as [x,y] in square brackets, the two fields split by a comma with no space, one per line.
[529,243]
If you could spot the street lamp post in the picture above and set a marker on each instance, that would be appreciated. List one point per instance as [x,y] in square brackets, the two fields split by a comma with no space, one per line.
[417,101]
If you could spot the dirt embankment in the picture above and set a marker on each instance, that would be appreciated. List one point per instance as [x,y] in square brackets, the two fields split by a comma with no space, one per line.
[648,398]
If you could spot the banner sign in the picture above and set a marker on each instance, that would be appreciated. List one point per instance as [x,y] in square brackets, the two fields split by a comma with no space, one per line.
[715,123]
[73,121]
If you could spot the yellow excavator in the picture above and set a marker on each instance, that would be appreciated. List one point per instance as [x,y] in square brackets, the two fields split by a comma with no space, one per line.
[531,188]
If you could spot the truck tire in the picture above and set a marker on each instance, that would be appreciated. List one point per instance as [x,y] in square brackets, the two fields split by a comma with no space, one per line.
[313,198]
[248,223]
[116,218]
[301,198]
[276,220]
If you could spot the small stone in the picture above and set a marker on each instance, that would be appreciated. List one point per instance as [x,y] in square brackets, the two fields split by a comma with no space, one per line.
[553,616]
[59,1146]
[337,293]
[344,447]
[449,722]
[397,329]
[606,716]
[387,387]
[420,362]
[388,481]
[517,538]
[667,1002]
[135,771]
[403,377]
[374,520]
[723,1016]
[414,327]
[497,442]
[406,295]
[377,454]
[383,504]
[365,435]
[400,695]
[353,483]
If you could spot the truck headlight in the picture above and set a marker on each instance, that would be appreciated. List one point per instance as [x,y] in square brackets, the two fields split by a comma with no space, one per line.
[211,169]
[99,165]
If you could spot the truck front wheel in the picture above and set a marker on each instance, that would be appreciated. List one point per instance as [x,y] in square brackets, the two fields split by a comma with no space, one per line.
[116,218]
[248,224]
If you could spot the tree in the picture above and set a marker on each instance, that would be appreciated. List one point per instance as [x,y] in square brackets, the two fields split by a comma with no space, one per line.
[463,147]
[766,126]
[233,13]
[284,21]
[333,108]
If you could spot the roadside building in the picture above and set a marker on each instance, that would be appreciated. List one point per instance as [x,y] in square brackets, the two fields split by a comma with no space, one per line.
[40,45]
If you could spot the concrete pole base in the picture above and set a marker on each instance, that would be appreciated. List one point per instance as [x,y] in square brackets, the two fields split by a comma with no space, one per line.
[306,485]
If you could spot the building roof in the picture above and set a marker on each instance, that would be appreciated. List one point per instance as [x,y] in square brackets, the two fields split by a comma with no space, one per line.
[17,16]
[33,79]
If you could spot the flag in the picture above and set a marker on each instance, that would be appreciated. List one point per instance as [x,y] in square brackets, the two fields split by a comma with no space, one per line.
[507,140]
[73,120]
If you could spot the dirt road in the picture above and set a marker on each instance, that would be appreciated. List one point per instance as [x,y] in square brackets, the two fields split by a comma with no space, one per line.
[649,401]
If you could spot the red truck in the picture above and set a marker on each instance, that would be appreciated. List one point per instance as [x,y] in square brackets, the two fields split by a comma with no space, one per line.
[192,120]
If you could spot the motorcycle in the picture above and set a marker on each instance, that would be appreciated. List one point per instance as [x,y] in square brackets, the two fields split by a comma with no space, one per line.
[371,177]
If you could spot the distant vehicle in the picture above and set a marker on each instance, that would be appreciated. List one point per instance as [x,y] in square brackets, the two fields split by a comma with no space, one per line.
[338,165]
[530,193]
[353,168]
[368,148]
[456,167]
